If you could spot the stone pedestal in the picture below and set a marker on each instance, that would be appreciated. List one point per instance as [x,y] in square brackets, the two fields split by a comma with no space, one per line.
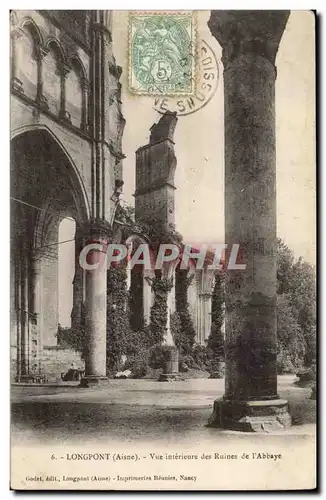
[250,41]
[171,368]
[251,416]
[96,306]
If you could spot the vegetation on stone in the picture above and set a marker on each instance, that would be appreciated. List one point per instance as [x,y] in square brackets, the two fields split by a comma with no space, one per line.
[184,336]
[296,311]
[140,346]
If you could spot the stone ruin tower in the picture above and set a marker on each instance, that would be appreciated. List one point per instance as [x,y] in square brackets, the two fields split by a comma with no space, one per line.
[154,197]
[155,168]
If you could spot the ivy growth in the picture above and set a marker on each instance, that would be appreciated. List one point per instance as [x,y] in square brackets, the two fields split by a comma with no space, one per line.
[185,336]
[118,329]
[215,343]
[159,310]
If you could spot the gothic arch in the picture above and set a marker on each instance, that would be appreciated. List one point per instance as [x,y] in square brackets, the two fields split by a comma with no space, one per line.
[74,174]
[27,24]
[76,62]
[45,182]
[13,18]
[53,43]
[78,190]
[76,101]
[26,44]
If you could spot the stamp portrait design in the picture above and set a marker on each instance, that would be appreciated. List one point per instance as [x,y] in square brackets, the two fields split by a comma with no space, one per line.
[206,83]
[162,48]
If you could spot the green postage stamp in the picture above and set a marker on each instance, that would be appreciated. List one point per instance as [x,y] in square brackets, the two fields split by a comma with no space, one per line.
[162,53]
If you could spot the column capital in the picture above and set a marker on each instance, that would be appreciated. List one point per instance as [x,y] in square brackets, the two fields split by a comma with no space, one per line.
[17,33]
[242,32]
[169,268]
[97,229]
[65,70]
[36,256]
[41,52]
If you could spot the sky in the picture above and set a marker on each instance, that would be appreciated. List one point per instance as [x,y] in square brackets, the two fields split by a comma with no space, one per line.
[199,141]
[199,148]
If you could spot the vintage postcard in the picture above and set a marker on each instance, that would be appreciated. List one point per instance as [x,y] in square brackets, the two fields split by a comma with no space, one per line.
[163,250]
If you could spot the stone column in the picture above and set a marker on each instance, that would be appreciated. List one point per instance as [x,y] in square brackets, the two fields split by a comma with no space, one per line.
[63,73]
[85,97]
[204,302]
[96,305]
[148,296]
[78,284]
[36,285]
[25,340]
[171,368]
[35,310]
[41,100]
[16,83]
[250,41]
[171,309]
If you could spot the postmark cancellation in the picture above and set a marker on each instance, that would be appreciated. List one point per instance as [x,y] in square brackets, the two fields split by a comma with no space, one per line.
[162,53]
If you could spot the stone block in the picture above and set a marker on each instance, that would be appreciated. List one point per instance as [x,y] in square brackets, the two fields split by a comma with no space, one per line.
[251,416]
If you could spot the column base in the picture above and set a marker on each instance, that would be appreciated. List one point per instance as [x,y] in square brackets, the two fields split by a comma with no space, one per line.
[92,381]
[251,416]
[31,379]
[170,377]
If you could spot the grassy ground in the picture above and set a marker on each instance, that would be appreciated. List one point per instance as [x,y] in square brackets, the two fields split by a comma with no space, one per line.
[142,410]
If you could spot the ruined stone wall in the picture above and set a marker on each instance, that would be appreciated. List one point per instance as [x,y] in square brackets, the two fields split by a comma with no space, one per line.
[57,360]
[155,170]
[53,58]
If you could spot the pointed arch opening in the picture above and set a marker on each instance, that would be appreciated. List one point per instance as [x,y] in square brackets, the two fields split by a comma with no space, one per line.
[52,76]
[45,183]
[26,52]
[75,94]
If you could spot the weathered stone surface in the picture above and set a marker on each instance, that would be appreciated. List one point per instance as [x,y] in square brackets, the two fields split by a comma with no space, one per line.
[65,162]
[251,416]
[57,360]
[170,377]
[155,169]
[96,304]
[172,361]
[248,32]
[171,368]
[250,40]
[93,381]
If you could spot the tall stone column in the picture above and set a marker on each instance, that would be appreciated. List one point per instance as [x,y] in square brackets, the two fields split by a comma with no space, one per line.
[16,83]
[25,330]
[18,306]
[63,73]
[171,369]
[36,277]
[41,100]
[78,284]
[204,316]
[96,304]
[35,310]
[148,295]
[250,41]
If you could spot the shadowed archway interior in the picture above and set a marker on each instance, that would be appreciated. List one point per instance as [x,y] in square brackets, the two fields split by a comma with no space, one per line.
[45,190]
